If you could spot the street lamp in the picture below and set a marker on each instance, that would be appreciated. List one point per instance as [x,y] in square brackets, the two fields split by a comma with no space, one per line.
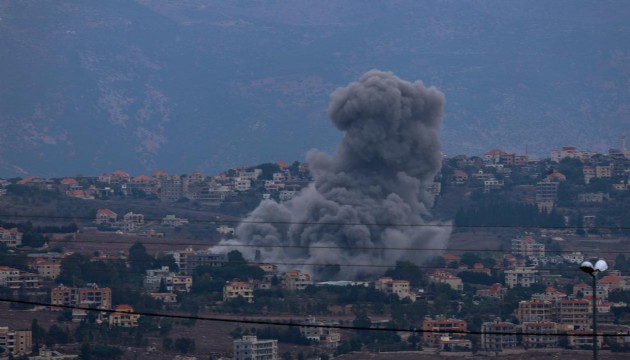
[592,270]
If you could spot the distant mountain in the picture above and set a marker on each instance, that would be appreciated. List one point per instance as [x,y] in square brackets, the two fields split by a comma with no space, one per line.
[93,86]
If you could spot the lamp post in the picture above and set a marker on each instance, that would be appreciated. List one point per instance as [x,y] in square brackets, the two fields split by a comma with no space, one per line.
[592,270]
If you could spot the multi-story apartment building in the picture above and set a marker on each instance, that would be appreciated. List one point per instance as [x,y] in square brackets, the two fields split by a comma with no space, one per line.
[540,334]
[9,277]
[587,290]
[91,296]
[242,184]
[10,237]
[325,336]
[546,195]
[187,260]
[46,269]
[564,152]
[203,258]
[171,188]
[574,314]
[296,280]
[173,282]
[498,335]
[237,289]
[604,171]
[16,342]
[143,183]
[250,348]
[16,279]
[400,288]
[123,317]
[434,329]
[589,173]
[583,339]
[523,276]
[535,311]
[444,277]
[527,246]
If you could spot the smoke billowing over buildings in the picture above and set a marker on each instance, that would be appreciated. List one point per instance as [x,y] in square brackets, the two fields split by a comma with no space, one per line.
[368,203]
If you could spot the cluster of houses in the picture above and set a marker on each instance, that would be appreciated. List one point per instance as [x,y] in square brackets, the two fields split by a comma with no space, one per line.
[539,317]
[290,280]
[319,332]
[539,320]
[43,267]
[128,223]
[489,172]
[282,185]
[133,222]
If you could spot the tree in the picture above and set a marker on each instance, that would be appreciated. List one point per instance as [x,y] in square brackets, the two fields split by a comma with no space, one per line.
[38,335]
[185,345]
[406,270]
[139,259]
[167,344]
[71,270]
[236,257]
[362,320]
[56,335]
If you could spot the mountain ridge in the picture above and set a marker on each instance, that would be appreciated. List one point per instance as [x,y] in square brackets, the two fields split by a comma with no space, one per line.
[93,87]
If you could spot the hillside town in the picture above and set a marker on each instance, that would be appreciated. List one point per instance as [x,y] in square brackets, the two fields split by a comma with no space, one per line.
[123,266]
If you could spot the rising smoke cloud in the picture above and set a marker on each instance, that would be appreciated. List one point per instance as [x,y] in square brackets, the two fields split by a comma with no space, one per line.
[367,198]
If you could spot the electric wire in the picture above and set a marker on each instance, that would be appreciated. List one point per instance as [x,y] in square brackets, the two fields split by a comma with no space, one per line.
[313,264]
[293,324]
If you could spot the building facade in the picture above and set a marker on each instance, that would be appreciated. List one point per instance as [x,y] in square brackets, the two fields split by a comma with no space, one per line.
[250,348]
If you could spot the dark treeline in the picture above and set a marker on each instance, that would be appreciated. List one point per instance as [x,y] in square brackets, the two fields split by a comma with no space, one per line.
[500,213]
[29,228]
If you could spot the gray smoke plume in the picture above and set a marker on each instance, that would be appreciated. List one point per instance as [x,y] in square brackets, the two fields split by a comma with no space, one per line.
[370,197]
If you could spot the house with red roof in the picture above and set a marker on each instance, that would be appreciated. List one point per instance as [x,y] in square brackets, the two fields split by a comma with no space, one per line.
[613,282]
[105,216]
[27,180]
[493,156]
[124,317]
[10,237]
[450,259]
[495,291]
[459,177]
[119,177]
[556,176]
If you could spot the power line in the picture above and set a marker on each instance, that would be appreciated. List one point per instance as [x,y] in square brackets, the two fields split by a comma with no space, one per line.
[275,323]
[329,265]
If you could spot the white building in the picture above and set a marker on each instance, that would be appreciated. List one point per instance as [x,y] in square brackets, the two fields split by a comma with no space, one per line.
[286,195]
[524,276]
[250,348]
[173,220]
[324,335]
[242,184]
[574,257]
